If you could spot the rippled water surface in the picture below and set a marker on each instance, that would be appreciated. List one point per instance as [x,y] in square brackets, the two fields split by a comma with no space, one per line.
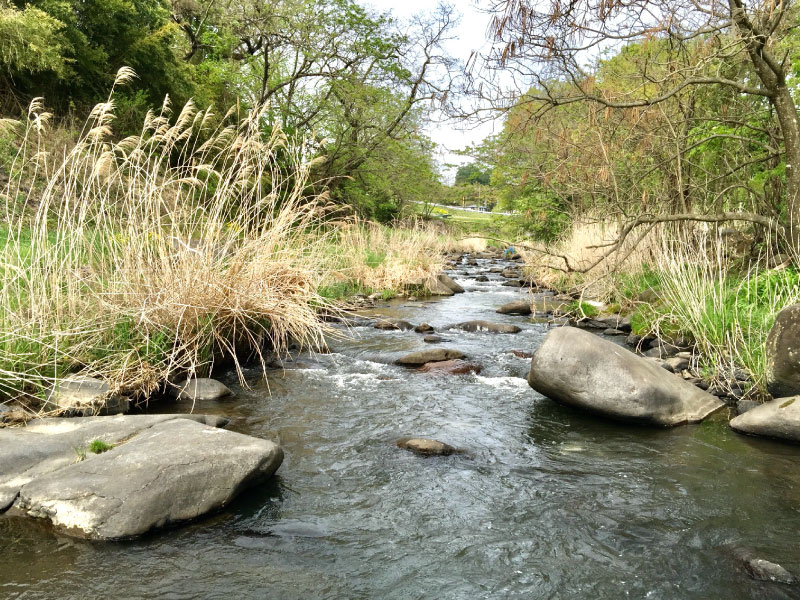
[544,503]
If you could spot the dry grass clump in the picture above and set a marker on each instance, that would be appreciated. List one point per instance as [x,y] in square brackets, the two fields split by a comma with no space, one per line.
[564,265]
[376,257]
[154,256]
[469,244]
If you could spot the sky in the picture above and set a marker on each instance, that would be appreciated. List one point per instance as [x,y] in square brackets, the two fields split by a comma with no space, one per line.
[469,36]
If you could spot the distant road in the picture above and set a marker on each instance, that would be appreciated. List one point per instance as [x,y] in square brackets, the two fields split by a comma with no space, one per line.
[508,214]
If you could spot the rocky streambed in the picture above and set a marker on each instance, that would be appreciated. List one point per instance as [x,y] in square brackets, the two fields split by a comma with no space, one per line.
[525,497]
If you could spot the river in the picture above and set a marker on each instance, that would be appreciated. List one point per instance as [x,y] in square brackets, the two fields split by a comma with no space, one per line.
[545,502]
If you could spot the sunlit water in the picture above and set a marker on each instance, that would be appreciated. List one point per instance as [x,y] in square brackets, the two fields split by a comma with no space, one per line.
[545,502]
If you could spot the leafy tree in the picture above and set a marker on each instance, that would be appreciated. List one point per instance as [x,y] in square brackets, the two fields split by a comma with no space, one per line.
[472,173]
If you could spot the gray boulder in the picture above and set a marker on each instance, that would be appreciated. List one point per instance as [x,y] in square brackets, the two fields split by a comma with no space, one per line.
[487,326]
[46,445]
[416,359]
[437,288]
[579,369]
[200,389]
[779,419]
[521,307]
[448,281]
[424,328]
[175,471]
[783,354]
[81,396]
[433,339]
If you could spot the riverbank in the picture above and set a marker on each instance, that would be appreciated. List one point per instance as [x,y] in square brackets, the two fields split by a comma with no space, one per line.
[703,294]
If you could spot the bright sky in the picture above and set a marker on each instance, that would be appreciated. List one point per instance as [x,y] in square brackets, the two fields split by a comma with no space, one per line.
[469,36]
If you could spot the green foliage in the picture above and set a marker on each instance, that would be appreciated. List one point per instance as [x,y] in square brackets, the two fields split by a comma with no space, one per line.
[473,173]
[32,41]
[583,309]
[99,446]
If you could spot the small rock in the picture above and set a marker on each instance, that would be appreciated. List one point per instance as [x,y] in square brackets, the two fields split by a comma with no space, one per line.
[510,273]
[416,359]
[393,324]
[451,367]
[522,307]
[515,283]
[487,326]
[521,354]
[424,328]
[613,332]
[426,447]
[633,340]
[482,278]
[200,389]
[433,339]
[677,364]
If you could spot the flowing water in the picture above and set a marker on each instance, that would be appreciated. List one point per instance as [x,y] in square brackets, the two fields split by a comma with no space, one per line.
[545,502]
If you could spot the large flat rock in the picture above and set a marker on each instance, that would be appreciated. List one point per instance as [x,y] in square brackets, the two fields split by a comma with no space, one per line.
[779,419]
[46,445]
[582,370]
[174,471]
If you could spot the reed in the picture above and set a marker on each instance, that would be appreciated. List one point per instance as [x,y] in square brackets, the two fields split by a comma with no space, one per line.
[157,255]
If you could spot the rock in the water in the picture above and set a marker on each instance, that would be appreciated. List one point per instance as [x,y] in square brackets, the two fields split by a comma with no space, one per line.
[515,283]
[522,307]
[760,569]
[175,471]
[85,396]
[437,288]
[521,354]
[510,273]
[779,419]
[46,445]
[426,446]
[416,359]
[451,367]
[424,328]
[783,354]
[482,278]
[433,339]
[393,324]
[448,281]
[487,326]
[201,389]
[580,369]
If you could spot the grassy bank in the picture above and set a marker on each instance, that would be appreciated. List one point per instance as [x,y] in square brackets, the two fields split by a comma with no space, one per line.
[162,254]
[693,287]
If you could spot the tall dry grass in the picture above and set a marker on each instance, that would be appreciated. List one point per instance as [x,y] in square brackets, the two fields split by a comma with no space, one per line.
[150,257]
[572,263]
[381,258]
[726,312]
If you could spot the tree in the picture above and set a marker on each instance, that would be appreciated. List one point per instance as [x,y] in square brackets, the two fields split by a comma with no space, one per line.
[472,173]
[733,45]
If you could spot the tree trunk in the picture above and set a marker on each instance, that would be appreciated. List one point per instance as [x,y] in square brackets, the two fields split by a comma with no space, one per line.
[786,111]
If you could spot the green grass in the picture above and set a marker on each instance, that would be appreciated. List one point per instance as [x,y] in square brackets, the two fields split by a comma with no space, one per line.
[99,446]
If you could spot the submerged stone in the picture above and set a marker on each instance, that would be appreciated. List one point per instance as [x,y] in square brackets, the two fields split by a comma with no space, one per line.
[426,447]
